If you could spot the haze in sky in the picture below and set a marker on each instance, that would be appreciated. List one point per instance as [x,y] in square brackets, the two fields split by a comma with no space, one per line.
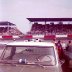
[16,11]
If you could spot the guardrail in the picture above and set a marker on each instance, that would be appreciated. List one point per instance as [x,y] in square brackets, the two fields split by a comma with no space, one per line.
[37,36]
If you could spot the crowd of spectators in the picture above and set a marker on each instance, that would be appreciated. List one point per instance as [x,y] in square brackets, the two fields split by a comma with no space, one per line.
[9,31]
[51,29]
[7,28]
[15,31]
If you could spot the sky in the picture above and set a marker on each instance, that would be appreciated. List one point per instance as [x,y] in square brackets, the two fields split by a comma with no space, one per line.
[16,11]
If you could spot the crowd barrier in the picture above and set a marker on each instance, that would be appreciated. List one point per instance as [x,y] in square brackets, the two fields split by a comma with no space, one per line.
[36,36]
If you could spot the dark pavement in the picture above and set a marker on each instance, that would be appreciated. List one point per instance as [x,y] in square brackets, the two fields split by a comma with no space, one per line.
[66,68]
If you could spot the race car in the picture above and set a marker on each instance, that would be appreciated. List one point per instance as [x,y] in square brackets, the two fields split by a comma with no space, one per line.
[21,56]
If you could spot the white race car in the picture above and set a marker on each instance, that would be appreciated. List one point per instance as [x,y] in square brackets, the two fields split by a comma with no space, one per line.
[20,56]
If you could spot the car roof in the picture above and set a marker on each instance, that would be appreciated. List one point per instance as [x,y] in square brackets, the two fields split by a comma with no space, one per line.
[22,43]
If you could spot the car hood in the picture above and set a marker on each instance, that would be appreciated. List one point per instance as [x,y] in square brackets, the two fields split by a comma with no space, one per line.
[28,68]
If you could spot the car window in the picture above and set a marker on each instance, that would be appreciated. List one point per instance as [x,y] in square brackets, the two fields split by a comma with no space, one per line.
[2,49]
[31,54]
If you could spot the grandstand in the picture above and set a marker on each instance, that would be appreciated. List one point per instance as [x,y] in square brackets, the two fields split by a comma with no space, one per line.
[52,26]
[7,28]
[44,28]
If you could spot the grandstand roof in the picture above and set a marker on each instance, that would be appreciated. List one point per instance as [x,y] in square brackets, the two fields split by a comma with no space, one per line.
[6,23]
[48,19]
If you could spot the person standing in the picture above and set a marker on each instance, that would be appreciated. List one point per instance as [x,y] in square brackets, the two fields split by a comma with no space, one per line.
[60,49]
[69,46]
[68,52]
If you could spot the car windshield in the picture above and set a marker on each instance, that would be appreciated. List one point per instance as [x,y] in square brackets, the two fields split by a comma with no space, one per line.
[28,55]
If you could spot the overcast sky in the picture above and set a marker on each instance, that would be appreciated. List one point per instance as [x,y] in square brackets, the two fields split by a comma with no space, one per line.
[16,11]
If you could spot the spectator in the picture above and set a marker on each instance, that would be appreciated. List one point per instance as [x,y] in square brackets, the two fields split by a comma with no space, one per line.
[60,50]
[64,44]
[69,46]
[68,52]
